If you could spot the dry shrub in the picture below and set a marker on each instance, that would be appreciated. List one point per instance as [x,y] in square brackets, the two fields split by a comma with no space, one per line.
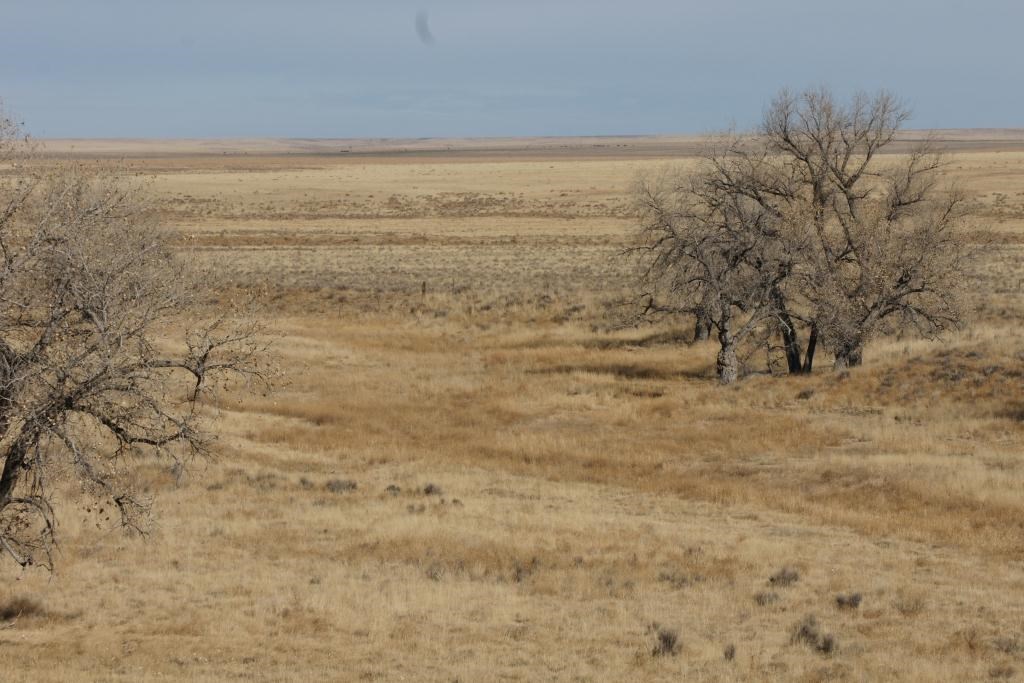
[808,632]
[341,485]
[786,576]
[848,601]
[666,641]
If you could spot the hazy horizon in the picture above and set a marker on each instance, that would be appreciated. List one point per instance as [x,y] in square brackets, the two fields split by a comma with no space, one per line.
[369,138]
[462,69]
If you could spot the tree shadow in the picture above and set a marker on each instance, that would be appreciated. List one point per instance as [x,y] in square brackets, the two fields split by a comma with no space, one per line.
[624,371]
[20,606]
[668,338]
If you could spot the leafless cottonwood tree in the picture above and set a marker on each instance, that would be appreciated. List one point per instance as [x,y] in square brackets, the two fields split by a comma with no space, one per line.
[852,243]
[882,241]
[709,253]
[91,296]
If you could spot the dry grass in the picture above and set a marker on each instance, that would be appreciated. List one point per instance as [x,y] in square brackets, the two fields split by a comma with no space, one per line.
[594,491]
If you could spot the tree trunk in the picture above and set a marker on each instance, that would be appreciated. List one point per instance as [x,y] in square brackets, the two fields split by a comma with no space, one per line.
[790,338]
[13,464]
[812,343]
[849,356]
[702,328]
[728,365]
[792,345]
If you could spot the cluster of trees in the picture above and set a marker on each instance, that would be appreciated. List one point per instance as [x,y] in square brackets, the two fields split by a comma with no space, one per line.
[105,352]
[803,236]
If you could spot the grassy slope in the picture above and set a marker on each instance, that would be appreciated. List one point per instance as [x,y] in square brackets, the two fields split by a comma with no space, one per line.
[592,482]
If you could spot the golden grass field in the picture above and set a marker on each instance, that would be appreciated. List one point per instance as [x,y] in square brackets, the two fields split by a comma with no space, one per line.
[445,314]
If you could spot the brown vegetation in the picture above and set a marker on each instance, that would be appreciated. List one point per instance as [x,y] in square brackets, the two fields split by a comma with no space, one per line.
[800,236]
[89,283]
[588,481]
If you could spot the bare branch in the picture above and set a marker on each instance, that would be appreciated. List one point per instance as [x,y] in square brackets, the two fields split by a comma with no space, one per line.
[91,294]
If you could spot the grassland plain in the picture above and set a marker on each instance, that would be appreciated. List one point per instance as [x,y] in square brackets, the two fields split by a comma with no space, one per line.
[475,473]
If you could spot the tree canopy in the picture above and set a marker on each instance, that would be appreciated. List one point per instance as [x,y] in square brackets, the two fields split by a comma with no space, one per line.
[804,233]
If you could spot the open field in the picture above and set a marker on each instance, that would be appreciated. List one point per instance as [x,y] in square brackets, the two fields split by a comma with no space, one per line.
[640,146]
[537,485]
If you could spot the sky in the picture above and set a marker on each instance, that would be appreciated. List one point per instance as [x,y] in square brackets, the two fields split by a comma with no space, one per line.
[476,68]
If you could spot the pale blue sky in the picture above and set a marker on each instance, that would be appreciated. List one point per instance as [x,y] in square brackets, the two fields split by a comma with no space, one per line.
[358,68]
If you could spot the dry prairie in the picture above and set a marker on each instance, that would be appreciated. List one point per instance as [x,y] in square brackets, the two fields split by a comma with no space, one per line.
[539,490]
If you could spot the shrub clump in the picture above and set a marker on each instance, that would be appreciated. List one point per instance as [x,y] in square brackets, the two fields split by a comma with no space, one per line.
[666,641]
[786,576]
[848,601]
[809,633]
[341,485]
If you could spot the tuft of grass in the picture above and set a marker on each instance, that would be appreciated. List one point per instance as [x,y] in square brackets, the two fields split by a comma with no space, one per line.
[909,604]
[521,572]
[680,580]
[1008,645]
[666,641]
[786,576]
[341,485]
[808,632]
[848,601]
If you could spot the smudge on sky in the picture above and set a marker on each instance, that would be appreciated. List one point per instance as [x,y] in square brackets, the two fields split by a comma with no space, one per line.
[423,28]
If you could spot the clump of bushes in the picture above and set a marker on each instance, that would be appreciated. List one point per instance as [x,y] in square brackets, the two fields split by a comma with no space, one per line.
[809,633]
[666,641]
[786,576]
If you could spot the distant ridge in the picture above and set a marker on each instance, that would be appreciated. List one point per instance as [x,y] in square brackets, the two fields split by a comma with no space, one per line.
[613,145]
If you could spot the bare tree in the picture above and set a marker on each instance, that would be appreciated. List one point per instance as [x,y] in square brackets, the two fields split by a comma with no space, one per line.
[708,253]
[848,244]
[91,296]
[882,239]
